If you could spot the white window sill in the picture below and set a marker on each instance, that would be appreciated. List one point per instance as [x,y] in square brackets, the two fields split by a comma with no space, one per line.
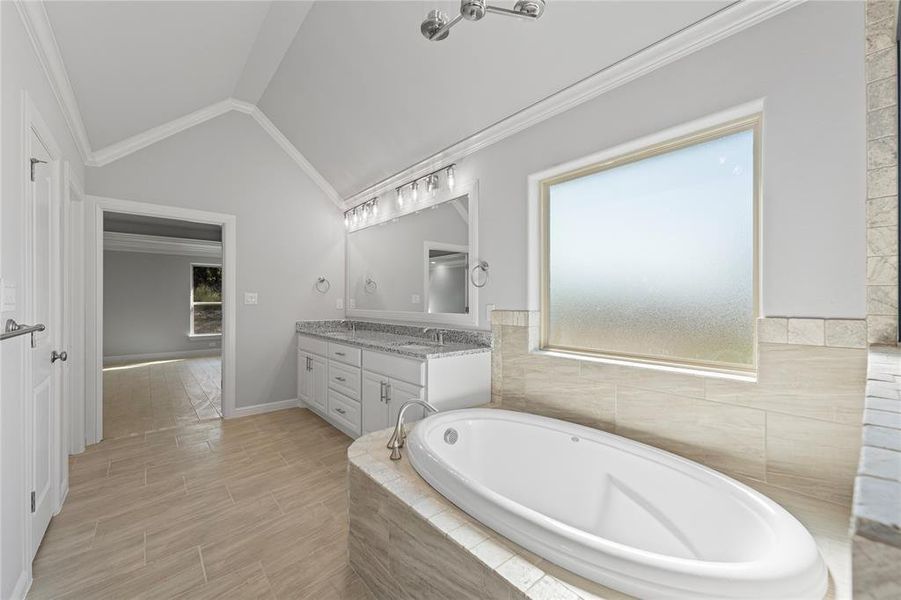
[687,370]
[204,336]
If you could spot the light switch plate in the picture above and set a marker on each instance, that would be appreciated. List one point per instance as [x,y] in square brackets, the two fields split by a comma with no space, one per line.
[339,303]
[351,303]
[414,298]
[251,298]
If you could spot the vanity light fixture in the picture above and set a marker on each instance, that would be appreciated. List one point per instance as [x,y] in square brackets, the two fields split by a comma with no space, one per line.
[369,210]
[437,26]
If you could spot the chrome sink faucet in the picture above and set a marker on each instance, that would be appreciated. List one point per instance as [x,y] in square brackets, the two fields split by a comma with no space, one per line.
[437,335]
[399,436]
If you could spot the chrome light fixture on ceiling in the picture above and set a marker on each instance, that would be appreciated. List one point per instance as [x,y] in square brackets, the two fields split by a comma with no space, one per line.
[437,26]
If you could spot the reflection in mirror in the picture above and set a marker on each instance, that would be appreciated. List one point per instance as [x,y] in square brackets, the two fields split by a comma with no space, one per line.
[415,263]
[447,289]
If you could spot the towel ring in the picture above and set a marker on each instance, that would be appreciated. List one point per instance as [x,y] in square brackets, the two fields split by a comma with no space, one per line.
[370,286]
[322,285]
[483,267]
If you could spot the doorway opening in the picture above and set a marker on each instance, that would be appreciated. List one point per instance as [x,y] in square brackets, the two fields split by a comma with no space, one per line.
[162,323]
[160,345]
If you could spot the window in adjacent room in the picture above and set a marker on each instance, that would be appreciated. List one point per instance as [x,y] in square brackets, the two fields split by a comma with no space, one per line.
[651,256]
[206,299]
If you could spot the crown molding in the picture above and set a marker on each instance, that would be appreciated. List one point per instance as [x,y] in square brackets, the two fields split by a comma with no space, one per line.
[37,26]
[296,156]
[113,152]
[726,22]
[156,244]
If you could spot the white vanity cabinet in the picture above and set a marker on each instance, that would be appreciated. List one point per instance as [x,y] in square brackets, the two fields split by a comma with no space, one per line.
[382,398]
[359,390]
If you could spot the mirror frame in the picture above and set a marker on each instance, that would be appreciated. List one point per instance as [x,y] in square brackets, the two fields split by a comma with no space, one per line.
[470,319]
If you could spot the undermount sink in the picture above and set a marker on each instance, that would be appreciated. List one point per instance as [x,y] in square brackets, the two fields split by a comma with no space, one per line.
[418,344]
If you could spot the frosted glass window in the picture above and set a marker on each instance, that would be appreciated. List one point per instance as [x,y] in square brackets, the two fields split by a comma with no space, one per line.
[652,256]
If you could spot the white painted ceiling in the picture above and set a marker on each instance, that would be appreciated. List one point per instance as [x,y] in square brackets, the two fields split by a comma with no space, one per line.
[137,65]
[353,85]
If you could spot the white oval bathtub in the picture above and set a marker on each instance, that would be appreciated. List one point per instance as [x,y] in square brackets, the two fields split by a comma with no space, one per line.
[618,512]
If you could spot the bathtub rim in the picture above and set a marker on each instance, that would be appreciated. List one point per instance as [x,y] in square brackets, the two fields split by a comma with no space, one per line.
[426,462]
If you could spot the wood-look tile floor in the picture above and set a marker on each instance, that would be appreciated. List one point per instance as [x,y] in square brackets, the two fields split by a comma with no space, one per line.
[245,508]
[150,395]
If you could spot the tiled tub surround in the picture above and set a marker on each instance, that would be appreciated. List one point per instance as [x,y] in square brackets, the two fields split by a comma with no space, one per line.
[797,428]
[408,542]
[876,521]
[882,172]
[404,340]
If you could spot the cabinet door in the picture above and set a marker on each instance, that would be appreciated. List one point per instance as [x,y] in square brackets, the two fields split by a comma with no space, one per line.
[319,383]
[304,378]
[375,412]
[400,392]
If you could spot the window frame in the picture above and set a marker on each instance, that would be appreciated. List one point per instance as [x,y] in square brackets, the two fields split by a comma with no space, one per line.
[191,333]
[752,122]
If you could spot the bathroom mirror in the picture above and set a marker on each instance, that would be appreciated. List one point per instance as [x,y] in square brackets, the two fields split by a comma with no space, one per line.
[416,266]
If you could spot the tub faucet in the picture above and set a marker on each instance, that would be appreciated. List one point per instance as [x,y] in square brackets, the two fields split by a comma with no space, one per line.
[396,442]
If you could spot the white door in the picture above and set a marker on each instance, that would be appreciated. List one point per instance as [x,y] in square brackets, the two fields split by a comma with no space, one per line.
[43,410]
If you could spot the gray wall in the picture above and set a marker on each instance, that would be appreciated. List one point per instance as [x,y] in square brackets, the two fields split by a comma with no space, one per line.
[808,65]
[146,303]
[288,233]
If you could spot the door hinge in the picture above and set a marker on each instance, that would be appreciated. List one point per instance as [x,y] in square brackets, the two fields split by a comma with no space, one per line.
[32,501]
[36,161]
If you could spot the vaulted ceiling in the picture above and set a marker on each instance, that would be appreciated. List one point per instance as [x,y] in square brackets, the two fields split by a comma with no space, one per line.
[352,85]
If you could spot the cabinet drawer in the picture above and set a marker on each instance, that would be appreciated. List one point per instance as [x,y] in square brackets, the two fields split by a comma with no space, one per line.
[397,367]
[314,345]
[345,379]
[346,354]
[344,412]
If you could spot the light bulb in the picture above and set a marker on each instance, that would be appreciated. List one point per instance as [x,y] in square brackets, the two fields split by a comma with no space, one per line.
[375,207]
[450,177]
[415,191]
[346,219]
[431,183]
[400,196]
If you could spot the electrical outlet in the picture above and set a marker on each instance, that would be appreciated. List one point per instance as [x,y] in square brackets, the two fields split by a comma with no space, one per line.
[251,298]
[7,296]
[414,298]
[339,303]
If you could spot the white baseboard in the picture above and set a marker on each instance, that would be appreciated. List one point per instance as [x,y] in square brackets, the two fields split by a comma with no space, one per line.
[23,585]
[256,409]
[162,355]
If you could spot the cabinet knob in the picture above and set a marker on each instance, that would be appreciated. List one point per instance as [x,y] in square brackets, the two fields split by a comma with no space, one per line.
[340,410]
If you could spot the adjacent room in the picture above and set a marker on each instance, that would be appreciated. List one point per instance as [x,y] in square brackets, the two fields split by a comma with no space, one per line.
[162,323]
[449,300]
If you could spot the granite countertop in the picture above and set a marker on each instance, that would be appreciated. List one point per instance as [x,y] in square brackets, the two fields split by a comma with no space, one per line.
[828,523]
[403,340]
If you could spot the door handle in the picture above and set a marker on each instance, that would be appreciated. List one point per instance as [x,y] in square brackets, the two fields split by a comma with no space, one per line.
[341,353]
[309,364]
[55,356]
[387,392]
[382,385]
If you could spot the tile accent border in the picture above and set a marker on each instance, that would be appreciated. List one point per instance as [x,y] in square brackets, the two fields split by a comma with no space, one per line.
[803,331]
[882,172]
